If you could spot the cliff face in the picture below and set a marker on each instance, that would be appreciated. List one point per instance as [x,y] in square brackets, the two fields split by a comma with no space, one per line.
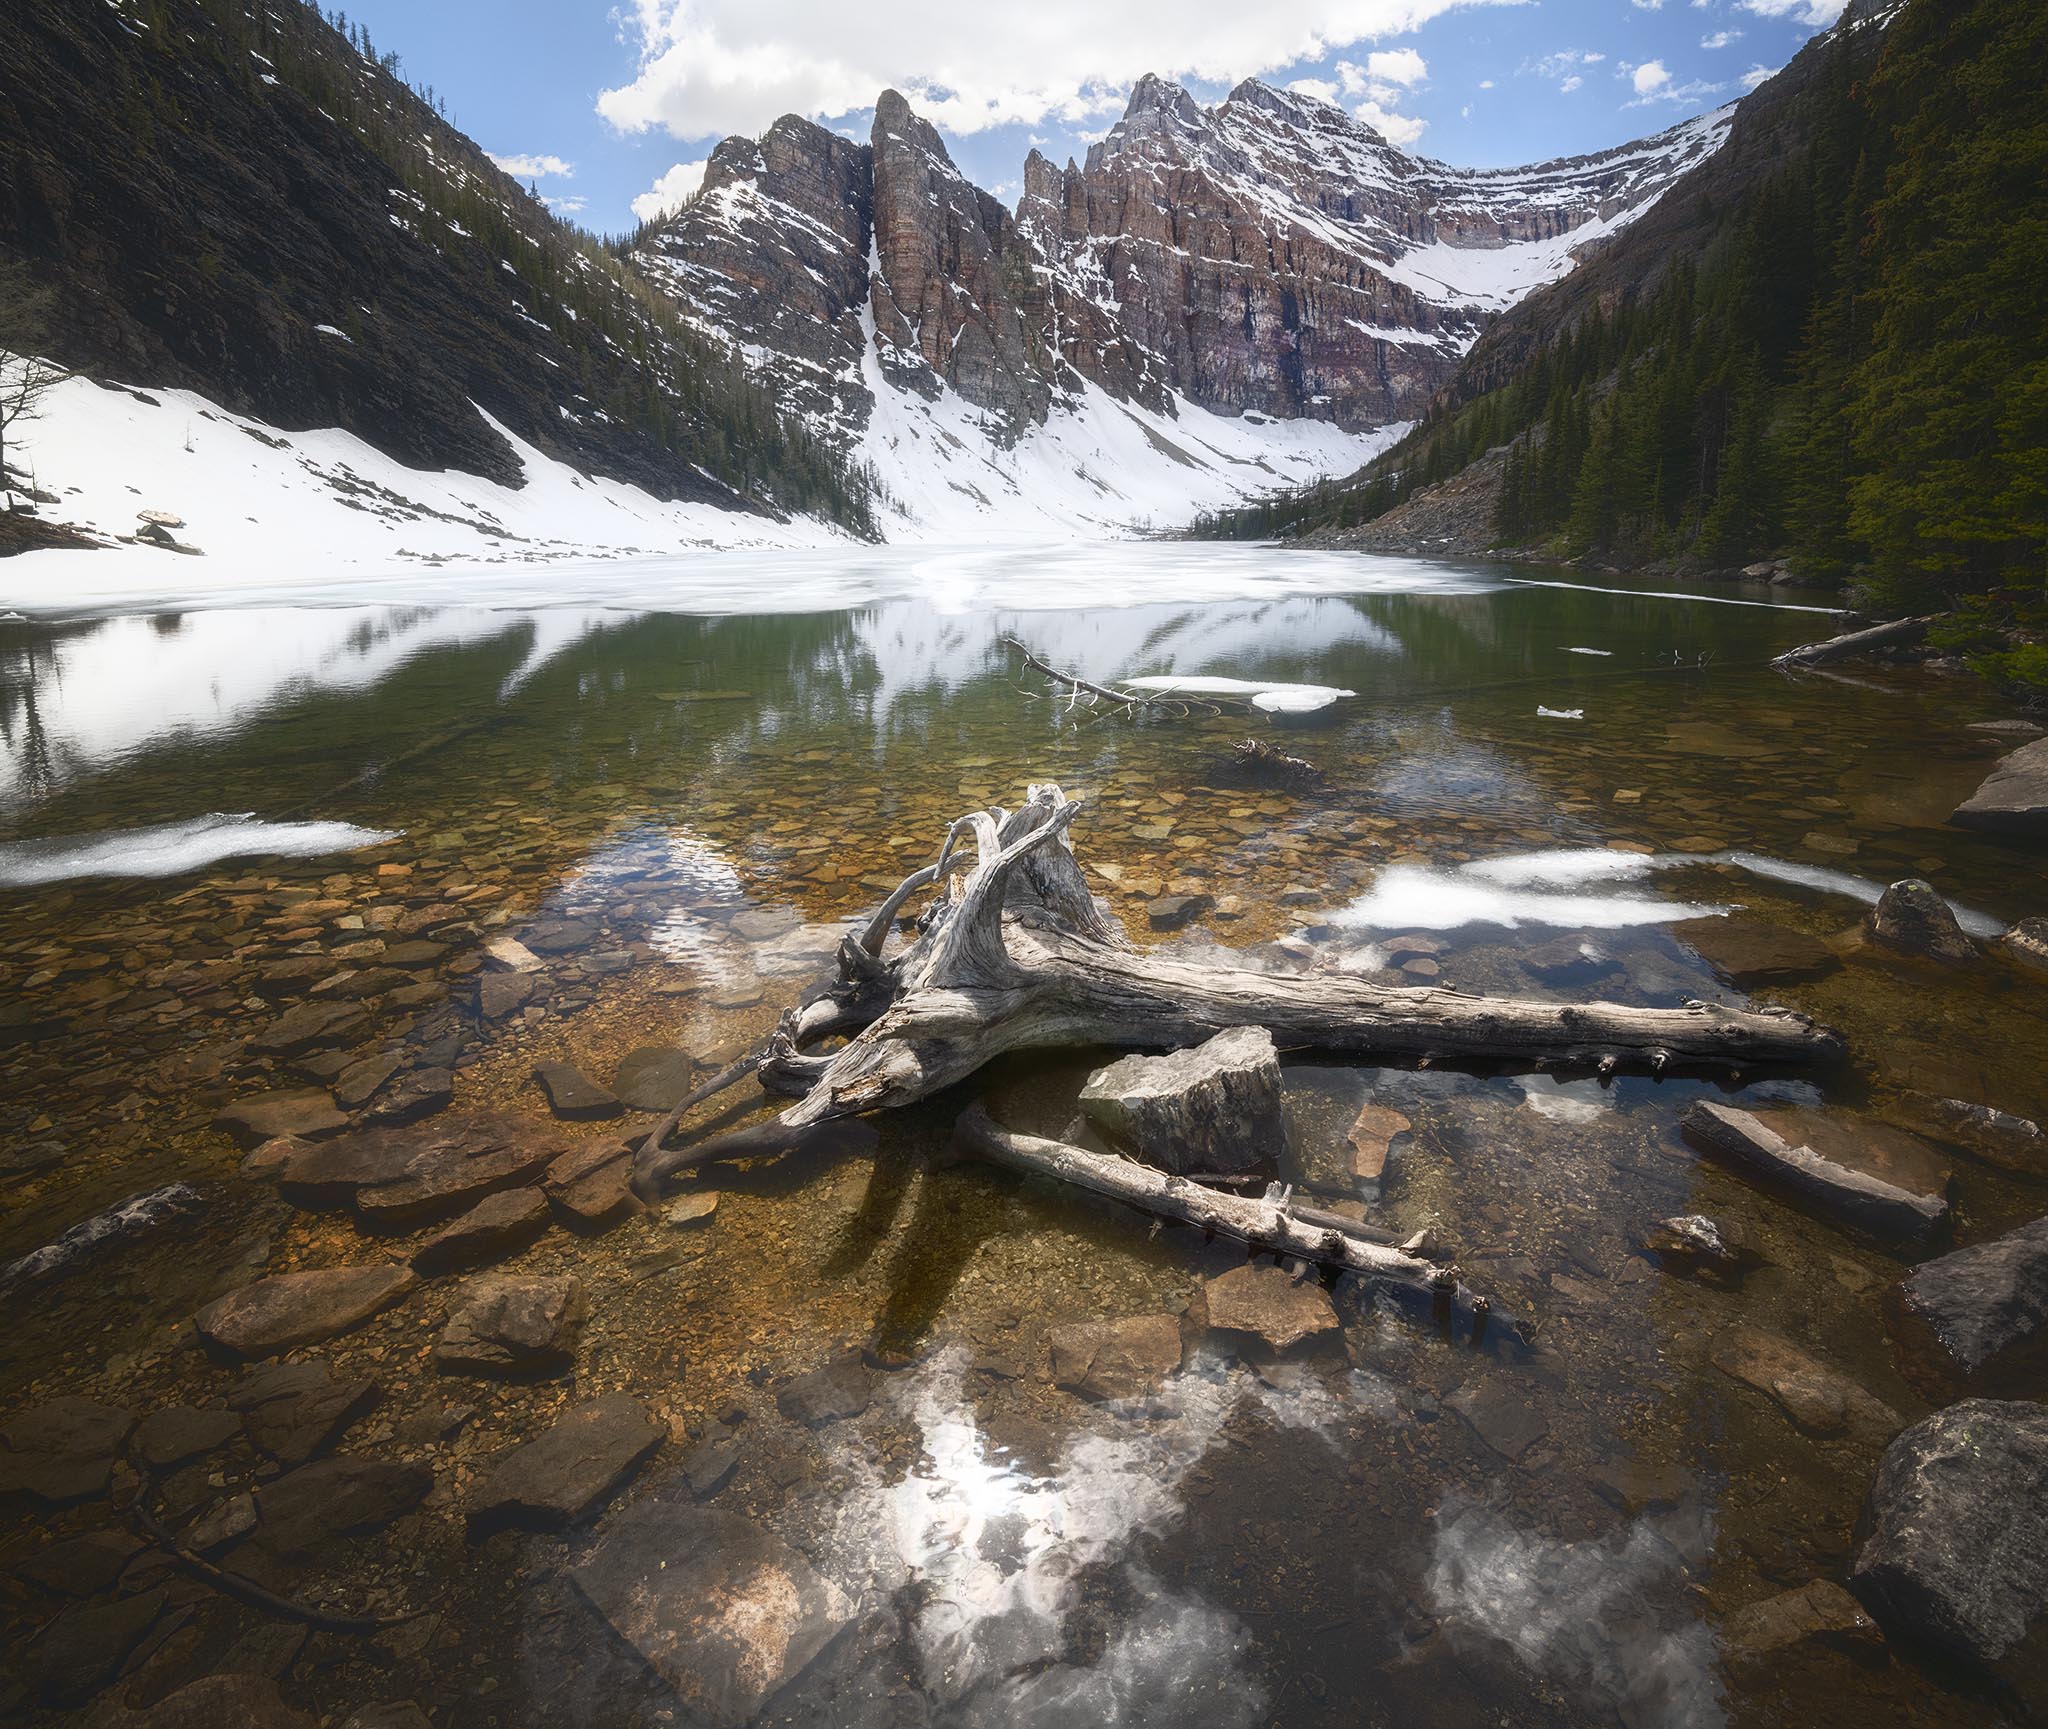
[1270,256]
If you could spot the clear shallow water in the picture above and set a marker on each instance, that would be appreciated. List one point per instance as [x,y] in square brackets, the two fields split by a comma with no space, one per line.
[1335,1545]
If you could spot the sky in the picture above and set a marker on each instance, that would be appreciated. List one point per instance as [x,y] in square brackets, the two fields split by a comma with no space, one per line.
[609,110]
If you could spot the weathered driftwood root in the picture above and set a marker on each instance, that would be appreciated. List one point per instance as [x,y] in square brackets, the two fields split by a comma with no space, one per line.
[1016,955]
[1257,757]
[1899,633]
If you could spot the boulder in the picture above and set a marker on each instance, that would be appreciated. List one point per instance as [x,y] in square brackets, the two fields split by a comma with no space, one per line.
[1974,1319]
[1215,1108]
[1868,1176]
[565,1473]
[1958,1518]
[511,1326]
[497,1226]
[573,1095]
[339,1497]
[1115,1359]
[307,1112]
[1266,1308]
[1750,952]
[293,1411]
[654,1077]
[1913,920]
[1817,1613]
[2014,796]
[287,1310]
[169,1437]
[1819,1400]
[1696,1247]
[723,1610]
[839,1388]
[2027,943]
[63,1450]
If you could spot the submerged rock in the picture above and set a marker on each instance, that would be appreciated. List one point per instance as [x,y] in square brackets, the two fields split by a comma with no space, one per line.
[411,1097]
[308,1112]
[452,1169]
[1912,919]
[1977,1317]
[1695,1246]
[62,1451]
[1878,1180]
[237,1700]
[338,1497]
[294,1410]
[83,1649]
[591,1185]
[1265,1307]
[1817,1613]
[566,1472]
[169,1437]
[287,1310]
[2014,796]
[1958,1519]
[1370,1138]
[839,1388]
[514,1326]
[1750,952]
[1115,1359]
[723,1610]
[1818,1399]
[497,1226]
[1215,1108]
[573,1095]
[1501,1415]
[654,1078]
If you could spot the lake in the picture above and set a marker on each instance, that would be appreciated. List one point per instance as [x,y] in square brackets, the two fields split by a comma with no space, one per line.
[267,847]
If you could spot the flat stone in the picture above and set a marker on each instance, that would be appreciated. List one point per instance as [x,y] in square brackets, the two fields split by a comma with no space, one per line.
[304,1509]
[225,1701]
[454,1169]
[1115,1359]
[2014,796]
[697,1208]
[1175,912]
[560,937]
[63,1450]
[514,1326]
[1694,1246]
[1266,1307]
[308,1025]
[414,954]
[2013,1143]
[573,1095]
[723,1610]
[591,1185]
[1215,1108]
[307,1112]
[393,1714]
[270,1159]
[329,1173]
[839,1388]
[501,994]
[763,924]
[1912,919]
[1565,961]
[2027,942]
[1958,1520]
[707,1467]
[179,1432]
[511,954]
[1818,1399]
[293,1411]
[83,1649]
[1750,952]
[497,1226]
[287,1310]
[654,1078]
[357,1084]
[1819,1613]
[81,1566]
[1371,1135]
[411,1097]
[569,1471]
[225,1522]
[1974,1319]
[1500,1414]
[1881,1181]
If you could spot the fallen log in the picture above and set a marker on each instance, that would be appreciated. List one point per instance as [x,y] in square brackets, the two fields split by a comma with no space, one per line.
[1899,633]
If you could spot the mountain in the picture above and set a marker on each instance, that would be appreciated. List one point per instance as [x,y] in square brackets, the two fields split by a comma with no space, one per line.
[1218,297]
[244,203]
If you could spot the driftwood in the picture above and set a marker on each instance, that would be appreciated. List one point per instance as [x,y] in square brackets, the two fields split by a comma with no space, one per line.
[1016,955]
[1257,757]
[1899,633]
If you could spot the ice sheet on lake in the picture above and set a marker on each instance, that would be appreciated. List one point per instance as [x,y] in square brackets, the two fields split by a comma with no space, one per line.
[1543,713]
[174,847]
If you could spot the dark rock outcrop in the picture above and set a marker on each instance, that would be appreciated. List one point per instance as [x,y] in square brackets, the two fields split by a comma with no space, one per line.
[1975,1318]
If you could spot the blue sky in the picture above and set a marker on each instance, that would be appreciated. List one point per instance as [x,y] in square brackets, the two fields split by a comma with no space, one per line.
[610,109]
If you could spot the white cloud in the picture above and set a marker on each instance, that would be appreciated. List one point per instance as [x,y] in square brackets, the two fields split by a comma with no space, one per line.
[1320,88]
[1814,14]
[1401,129]
[1647,5]
[1756,75]
[528,166]
[1402,66]
[1720,38]
[565,206]
[1570,84]
[1653,83]
[670,190]
[1465,113]
[1564,66]
[710,67]
[1649,77]
[1486,83]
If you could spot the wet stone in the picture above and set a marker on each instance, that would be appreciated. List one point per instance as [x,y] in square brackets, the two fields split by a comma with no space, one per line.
[1175,912]
[763,924]
[1976,1318]
[1265,1307]
[179,1432]
[226,1522]
[1875,1179]
[1215,1108]
[1958,1520]
[1750,952]
[329,1173]
[309,1025]
[83,1649]
[293,1411]
[1501,1415]
[696,1208]
[1817,1613]
[1819,1400]
[305,1509]
[395,1714]
[654,1078]
[1126,1359]
[2027,942]
[708,1467]
[502,1325]
[307,1112]
[1694,1246]
[359,1081]
[286,1310]
[269,1649]
[452,1170]
[723,1610]
[570,1470]
[1566,961]
[837,1389]
[573,1095]
[2014,796]
[591,1186]
[1912,919]
[501,994]
[411,1097]
[1370,1138]
[497,1226]
[61,1451]
[80,1566]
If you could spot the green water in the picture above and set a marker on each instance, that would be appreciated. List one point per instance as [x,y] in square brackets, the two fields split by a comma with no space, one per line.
[1334,1545]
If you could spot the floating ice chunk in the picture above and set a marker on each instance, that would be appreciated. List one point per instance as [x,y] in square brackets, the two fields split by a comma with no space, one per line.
[1579,1101]
[174,847]
[1267,698]
[1559,713]
[1604,653]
